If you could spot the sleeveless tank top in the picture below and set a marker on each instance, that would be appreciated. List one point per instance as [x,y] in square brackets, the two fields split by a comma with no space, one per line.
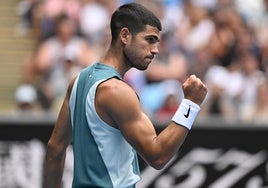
[102,157]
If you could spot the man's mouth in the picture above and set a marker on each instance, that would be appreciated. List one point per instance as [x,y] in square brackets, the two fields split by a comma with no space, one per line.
[150,57]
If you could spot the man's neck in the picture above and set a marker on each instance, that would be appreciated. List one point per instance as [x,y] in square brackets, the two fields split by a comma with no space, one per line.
[114,58]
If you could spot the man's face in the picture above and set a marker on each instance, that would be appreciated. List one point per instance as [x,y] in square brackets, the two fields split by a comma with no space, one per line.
[141,48]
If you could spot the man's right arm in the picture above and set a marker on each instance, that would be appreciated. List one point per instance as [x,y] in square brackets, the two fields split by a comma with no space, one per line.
[125,111]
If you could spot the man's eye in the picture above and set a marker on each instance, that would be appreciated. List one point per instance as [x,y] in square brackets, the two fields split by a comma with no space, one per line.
[151,40]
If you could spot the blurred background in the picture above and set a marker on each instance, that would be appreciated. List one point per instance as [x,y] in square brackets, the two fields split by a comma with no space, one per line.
[45,43]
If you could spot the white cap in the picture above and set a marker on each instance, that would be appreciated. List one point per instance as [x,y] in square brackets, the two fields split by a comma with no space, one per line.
[25,93]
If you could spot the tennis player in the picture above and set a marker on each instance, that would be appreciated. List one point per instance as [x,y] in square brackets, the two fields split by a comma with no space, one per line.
[102,116]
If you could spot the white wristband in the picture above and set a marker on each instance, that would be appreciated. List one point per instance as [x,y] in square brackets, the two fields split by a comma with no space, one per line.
[186,113]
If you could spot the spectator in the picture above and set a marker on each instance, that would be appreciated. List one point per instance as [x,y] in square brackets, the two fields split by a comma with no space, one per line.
[257,114]
[223,39]
[195,23]
[224,86]
[94,18]
[253,76]
[45,13]
[58,59]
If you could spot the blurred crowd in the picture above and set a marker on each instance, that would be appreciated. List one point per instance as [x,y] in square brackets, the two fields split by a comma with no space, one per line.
[224,42]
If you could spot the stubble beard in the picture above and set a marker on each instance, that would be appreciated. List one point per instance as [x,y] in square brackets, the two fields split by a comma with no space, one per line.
[130,58]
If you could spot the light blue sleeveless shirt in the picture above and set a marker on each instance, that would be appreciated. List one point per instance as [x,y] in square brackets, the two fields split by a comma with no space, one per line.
[102,157]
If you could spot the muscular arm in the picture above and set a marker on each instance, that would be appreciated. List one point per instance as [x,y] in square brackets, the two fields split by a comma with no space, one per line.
[57,144]
[124,112]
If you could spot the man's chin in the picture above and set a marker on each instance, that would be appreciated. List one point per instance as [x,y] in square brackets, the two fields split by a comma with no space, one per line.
[144,67]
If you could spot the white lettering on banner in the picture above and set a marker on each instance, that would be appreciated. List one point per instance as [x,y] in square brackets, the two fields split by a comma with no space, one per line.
[21,164]
[245,164]
[229,166]
[190,165]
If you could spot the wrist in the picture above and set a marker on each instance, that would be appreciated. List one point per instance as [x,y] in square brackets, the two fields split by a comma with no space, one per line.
[186,113]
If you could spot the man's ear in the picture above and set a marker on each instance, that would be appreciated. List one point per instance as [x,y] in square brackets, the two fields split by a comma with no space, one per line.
[125,35]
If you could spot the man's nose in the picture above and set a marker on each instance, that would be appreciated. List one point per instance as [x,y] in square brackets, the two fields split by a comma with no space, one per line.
[155,50]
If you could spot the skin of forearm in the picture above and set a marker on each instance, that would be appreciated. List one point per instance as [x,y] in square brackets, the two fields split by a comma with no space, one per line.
[166,145]
[54,165]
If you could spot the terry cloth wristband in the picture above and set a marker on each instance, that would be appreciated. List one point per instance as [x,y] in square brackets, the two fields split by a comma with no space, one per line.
[186,113]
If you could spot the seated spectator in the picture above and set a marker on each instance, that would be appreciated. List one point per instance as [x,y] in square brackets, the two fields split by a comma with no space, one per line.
[253,76]
[94,20]
[45,12]
[58,59]
[257,114]
[194,29]
[225,87]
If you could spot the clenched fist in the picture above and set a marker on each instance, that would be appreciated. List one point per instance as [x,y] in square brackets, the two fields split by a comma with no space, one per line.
[194,89]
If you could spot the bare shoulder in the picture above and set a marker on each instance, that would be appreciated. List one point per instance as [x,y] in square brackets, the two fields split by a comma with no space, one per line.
[116,89]
[116,84]
[116,101]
